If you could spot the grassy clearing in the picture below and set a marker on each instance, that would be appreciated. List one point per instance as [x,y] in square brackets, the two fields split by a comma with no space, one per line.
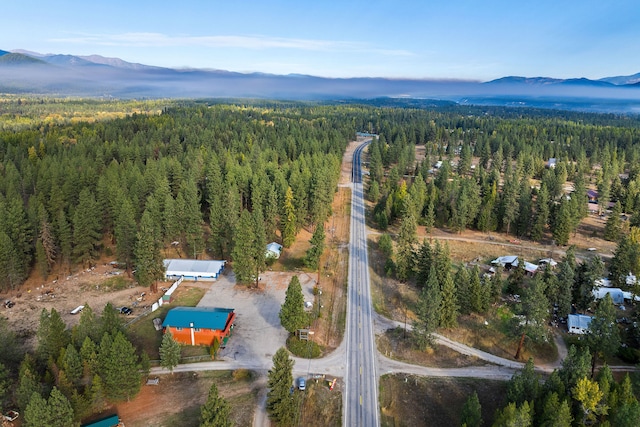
[494,334]
[407,400]
[321,407]
[178,398]
[394,344]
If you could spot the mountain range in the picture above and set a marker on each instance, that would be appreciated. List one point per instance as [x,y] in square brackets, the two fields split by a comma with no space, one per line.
[97,76]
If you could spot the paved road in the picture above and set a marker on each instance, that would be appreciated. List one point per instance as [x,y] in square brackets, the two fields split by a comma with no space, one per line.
[361,389]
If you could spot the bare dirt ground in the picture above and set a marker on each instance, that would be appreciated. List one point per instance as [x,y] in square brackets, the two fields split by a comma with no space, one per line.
[96,287]
[407,400]
[176,400]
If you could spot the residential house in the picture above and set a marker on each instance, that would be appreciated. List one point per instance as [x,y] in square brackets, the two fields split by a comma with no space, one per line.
[578,323]
[199,325]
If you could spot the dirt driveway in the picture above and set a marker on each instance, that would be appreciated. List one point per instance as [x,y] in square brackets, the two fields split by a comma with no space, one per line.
[258,333]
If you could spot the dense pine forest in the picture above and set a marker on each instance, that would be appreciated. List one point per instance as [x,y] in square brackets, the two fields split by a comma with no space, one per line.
[222,179]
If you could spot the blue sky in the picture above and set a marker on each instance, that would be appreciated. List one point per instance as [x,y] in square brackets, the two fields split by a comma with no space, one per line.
[460,39]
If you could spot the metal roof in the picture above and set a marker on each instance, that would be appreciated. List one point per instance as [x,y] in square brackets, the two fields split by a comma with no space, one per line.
[578,323]
[200,317]
[193,267]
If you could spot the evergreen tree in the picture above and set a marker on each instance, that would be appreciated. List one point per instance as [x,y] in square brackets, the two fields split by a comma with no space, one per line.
[613,227]
[472,412]
[53,412]
[216,411]
[244,250]
[119,368]
[463,290]
[125,232]
[524,386]
[52,335]
[86,229]
[562,221]
[191,218]
[513,416]
[407,238]
[149,267]
[289,220]
[28,383]
[280,403]
[427,311]
[312,257]
[449,308]
[535,309]
[541,217]
[11,271]
[64,238]
[603,336]
[575,366]
[555,413]
[292,314]
[72,364]
[169,352]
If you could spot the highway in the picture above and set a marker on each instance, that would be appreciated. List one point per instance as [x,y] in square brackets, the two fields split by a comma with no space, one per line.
[361,387]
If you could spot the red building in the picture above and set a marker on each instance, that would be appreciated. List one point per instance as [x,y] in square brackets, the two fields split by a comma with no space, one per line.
[199,325]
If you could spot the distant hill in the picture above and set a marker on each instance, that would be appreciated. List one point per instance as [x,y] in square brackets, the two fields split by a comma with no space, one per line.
[18,59]
[623,80]
[3,52]
[96,76]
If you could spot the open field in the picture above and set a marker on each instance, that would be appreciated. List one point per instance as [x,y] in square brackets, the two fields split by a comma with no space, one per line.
[407,400]
[176,400]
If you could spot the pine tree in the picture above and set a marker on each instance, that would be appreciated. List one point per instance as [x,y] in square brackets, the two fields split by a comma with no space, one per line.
[312,257]
[215,412]
[280,403]
[513,416]
[562,223]
[119,368]
[289,220]
[463,290]
[407,238]
[603,336]
[472,412]
[575,366]
[86,229]
[244,249]
[149,267]
[125,232]
[449,308]
[64,238]
[52,335]
[72,364]
[169,352]
[555,413]
[613,227]
[191,218]
[292,314]
[427,311]
[541,217]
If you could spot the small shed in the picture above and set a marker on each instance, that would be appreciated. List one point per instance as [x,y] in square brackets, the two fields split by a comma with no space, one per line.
[551,164]
[273,250]
[578,323]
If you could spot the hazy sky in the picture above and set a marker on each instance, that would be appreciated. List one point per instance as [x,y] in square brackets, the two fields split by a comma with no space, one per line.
[462,39]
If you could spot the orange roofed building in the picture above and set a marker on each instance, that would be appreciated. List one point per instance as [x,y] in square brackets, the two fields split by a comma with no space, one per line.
[199,325]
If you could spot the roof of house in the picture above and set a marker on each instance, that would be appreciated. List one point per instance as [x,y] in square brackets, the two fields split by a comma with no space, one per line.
[578,321]
[192,267]
[109,421]
[274,247]
[616,294]
[549,261]
[200,317]
[530,268]
[507,259]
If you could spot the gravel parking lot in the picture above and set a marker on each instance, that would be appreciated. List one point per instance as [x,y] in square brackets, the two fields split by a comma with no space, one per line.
[258,333]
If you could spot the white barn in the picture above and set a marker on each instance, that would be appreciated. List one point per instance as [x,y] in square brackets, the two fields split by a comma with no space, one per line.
[578,323]
[192,269]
